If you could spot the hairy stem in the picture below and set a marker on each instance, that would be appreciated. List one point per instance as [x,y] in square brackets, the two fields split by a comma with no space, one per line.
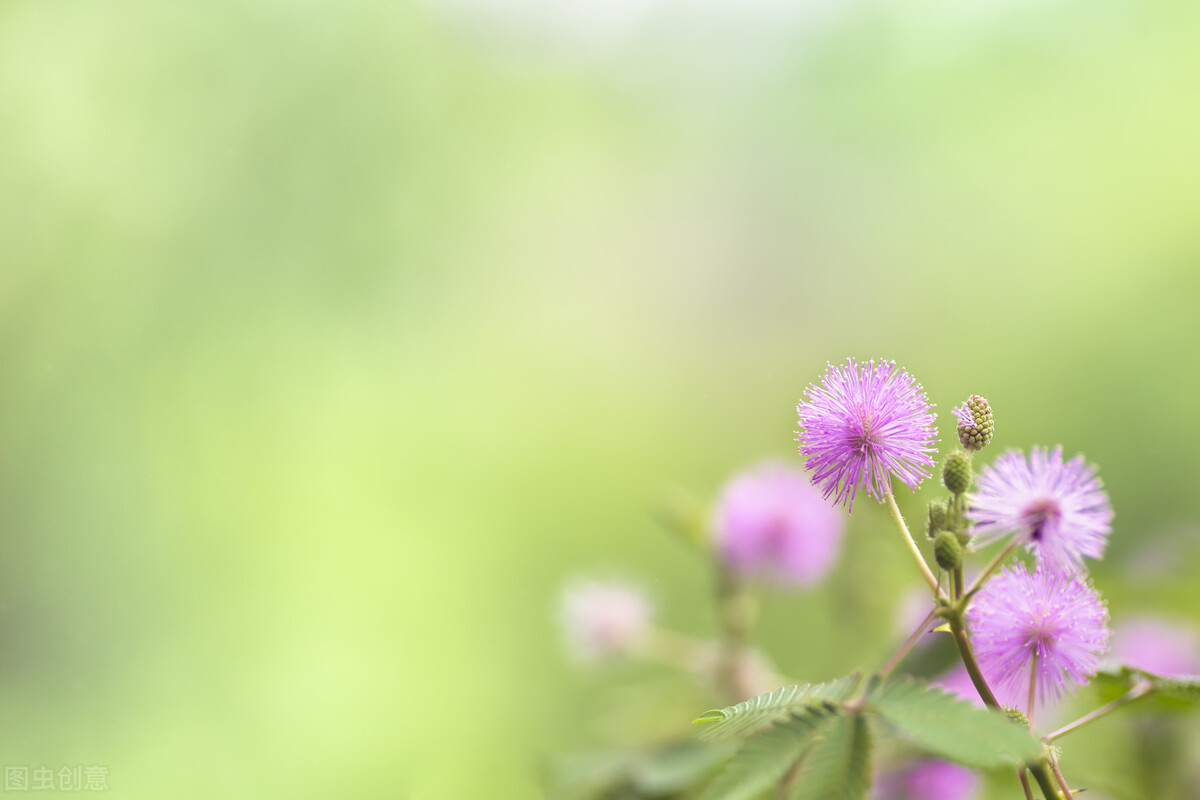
[912,545]
[968,659]
[1133,694]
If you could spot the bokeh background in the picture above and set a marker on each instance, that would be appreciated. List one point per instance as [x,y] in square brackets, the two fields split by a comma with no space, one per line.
[335,337]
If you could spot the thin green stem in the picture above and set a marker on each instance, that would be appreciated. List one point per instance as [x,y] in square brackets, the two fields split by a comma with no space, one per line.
[736,610]
[1062,781]
[990,568]
[1032,687]
[908,644]
[1025,783]
[968,659]
[1041,774]
[1125,699]
[912,545]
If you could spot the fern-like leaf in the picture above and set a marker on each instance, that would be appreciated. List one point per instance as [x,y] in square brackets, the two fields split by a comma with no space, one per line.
[838,767]
[757,713]
[764,760]
[951,728]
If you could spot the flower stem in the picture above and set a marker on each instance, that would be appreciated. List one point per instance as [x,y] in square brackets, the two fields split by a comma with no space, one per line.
[1125,699]
[1033,665]
[735,608]
[912,545]
[968,659]
[1042,775]
[990,568]
[1062,781]
[1025,783]
[908,644]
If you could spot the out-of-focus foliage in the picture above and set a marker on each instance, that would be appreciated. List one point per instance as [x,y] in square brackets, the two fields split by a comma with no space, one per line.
[333,335]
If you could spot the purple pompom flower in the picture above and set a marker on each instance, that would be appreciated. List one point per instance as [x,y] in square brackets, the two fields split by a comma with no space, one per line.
[929,779]
[772,522]
[1059,510]
[1057,618]
[861,425]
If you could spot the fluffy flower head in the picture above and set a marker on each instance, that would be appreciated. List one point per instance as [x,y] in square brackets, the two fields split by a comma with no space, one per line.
[772,522]
[1059,509]
[862,425]
[1057,618]
[602,619]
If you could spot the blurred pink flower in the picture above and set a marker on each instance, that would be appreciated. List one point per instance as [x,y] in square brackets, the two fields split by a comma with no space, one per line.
[603,619]
[1158,646]
[928,780]
[772,522]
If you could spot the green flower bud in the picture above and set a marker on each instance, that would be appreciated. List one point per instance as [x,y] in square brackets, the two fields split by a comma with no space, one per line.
[1017,716]
[957,474]
[975,425]
[947,550]
[937,517]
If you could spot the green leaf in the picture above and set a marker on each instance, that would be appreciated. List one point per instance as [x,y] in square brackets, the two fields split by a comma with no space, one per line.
[753,715]
[1173,691]
[1186,690]
[951,728]
[653,770]
[764,760]
[838,767]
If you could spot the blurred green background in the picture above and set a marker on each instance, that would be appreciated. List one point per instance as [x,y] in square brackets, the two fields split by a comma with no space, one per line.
[335,337]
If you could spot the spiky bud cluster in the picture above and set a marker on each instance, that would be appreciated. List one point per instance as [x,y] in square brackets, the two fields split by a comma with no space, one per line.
[975,424]
[948,550]
[937,517]
[957,473]
[1016,715]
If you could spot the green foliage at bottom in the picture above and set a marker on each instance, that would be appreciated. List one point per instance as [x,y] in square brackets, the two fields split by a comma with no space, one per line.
[838,767]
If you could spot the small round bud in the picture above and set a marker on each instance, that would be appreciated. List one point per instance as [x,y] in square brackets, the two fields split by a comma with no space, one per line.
[1017,716]
[947,550]
[957,474]
[937,517]
[975,424]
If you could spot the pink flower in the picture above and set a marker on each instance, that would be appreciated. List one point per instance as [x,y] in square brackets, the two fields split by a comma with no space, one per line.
[1058,509]
[1157,646]
[771,522]
[603,619]
[862,425]
[929,780]
[1056,618]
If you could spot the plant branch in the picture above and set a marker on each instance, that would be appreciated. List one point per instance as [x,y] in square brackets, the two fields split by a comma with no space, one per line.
[1042,775]
[968,659]
[1062,781]
[912,545]
[1133,694]
[1025,783]
[908,644]
[991,567]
